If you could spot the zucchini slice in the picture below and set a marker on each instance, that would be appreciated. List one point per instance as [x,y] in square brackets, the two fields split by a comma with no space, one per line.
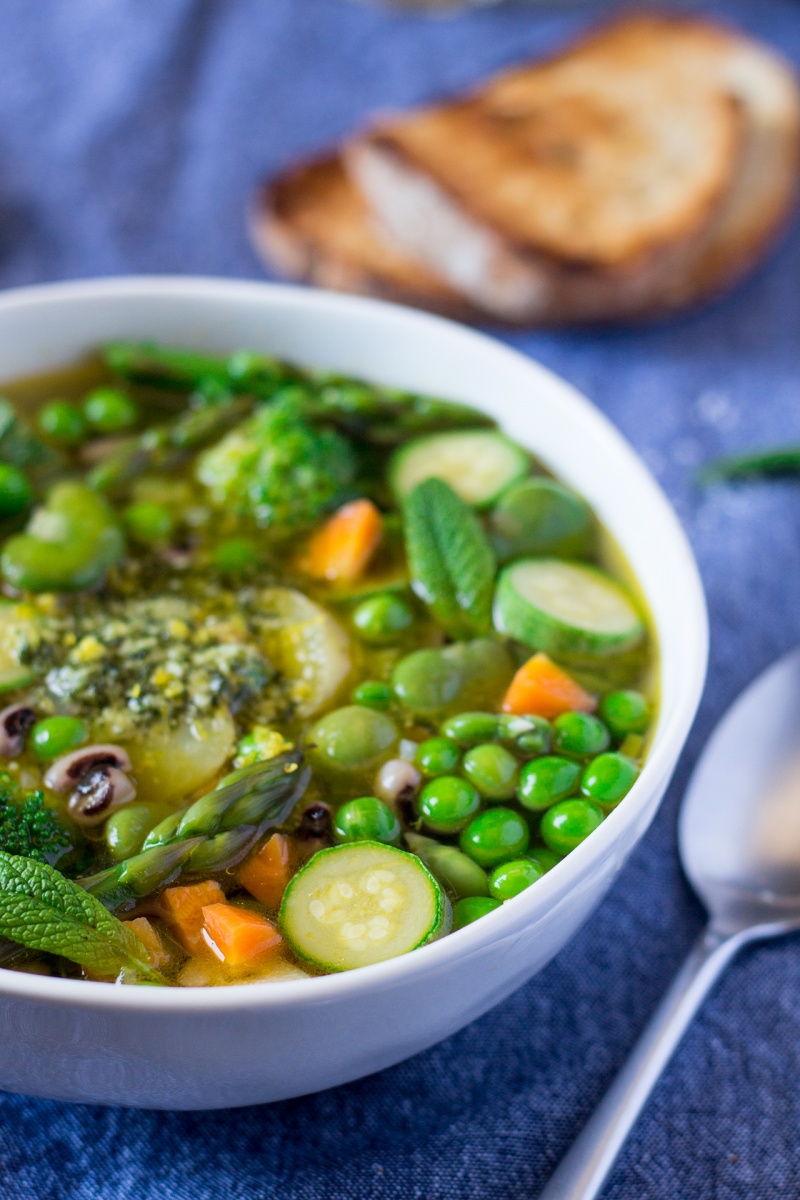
[358,904]
[565,608]
[541,516]
[478,464]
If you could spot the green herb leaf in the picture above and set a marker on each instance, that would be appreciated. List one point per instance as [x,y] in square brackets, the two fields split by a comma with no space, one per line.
[41,909]
[452,564]
[784,460]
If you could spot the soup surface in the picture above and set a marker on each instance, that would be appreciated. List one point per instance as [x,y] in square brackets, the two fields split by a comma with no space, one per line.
[299,672]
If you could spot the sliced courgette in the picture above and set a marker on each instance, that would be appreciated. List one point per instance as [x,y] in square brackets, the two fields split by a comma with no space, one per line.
[541,516]
[565,609]
[358,904]
[479,464]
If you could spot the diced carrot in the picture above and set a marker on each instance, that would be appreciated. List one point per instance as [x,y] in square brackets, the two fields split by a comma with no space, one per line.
[238,935]
[183,909]
[541,688]
[341,549]
[148,934]
[266,874]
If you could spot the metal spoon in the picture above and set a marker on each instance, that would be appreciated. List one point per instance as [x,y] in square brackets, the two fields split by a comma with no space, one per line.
[739,838]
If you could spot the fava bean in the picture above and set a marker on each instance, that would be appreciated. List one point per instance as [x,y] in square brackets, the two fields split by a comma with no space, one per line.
[435,683]
[353,738]
[459,873]
[471,728]
[69,544]
[126,829]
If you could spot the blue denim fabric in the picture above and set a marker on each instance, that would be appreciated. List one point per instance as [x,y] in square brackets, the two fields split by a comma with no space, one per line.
[131,135]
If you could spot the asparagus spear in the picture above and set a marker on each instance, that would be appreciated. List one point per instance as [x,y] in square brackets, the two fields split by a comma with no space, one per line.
[165,447]
[184,370]
[211,834]
[784,460]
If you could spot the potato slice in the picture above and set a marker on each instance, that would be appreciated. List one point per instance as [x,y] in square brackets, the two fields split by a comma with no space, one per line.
[308,647]
[172,763]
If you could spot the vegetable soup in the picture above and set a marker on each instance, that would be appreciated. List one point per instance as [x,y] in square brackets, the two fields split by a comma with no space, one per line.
[300,672]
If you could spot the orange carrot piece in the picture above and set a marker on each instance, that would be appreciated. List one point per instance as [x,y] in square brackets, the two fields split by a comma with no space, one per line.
[541,688]
[150,937]
[341,549]
[183,909]
[266,874]
[237,935]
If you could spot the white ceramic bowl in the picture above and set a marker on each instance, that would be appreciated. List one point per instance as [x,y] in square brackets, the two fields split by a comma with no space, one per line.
[219,1047]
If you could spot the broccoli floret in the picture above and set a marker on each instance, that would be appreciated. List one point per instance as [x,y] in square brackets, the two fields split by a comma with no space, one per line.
[27,826]
[279,469]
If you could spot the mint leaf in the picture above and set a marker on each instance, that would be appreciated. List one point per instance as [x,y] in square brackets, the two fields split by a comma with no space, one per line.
[451,562]
[41,909]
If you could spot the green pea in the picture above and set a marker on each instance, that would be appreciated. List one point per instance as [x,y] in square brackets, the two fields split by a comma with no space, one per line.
[511,878]
[16,494]
[493,771]
[545,858]
[608,778]
[148,524]
[447,803]
[472,908]
[55,736]
[437,756]
[625,712]
[352,738]
[547,780]
[495,836]
[126,829]
[63,423]
[567,824]
[235,555]
[110,410]
[580,735]
[382,618]
[537,740]
[471,728]
[366,819]
[373,694]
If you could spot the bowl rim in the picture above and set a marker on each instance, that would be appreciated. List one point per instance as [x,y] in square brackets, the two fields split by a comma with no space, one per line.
[671,730]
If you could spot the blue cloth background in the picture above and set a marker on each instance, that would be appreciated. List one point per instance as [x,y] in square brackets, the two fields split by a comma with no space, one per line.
[131,134]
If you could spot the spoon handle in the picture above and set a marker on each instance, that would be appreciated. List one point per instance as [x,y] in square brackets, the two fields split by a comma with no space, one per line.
[581,1173]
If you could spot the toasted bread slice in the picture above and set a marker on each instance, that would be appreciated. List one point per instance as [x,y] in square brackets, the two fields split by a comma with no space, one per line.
[313,224]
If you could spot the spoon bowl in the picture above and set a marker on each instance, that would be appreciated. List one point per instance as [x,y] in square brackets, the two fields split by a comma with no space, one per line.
[739,828]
